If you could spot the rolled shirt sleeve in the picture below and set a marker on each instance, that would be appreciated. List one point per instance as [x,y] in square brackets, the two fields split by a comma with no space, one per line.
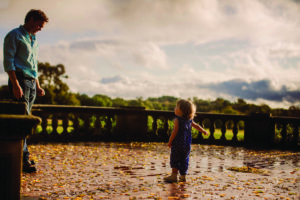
[9,52]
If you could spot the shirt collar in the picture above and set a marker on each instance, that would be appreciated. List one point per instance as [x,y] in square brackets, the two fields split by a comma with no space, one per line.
[23,30]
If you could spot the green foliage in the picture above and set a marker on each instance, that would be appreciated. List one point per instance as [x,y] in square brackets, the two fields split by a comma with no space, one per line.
[101,100]
[162,103]
[117,102]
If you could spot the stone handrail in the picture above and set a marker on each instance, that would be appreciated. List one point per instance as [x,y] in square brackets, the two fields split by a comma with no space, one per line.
[85,123]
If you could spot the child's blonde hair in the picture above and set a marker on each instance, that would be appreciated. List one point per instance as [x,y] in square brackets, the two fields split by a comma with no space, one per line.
[187,108]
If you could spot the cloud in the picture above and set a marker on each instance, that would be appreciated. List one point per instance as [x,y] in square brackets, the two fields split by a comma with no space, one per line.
[150,55]
[169,21]
[114,52]
[130,48]
[113,79]
[262,89]
[4,4]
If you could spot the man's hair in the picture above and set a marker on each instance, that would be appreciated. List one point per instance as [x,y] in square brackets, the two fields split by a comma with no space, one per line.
[37,15]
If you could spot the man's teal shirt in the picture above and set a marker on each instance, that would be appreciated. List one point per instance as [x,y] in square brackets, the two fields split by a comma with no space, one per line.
[20,53]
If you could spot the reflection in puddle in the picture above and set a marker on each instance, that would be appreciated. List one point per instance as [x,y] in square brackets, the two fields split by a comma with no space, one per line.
[219,159]
[204,158]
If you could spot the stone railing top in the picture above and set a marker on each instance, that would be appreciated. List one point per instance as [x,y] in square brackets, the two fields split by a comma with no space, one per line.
[17,126]
[12,107]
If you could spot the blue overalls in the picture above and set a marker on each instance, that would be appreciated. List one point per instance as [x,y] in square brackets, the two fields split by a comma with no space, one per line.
[181,146]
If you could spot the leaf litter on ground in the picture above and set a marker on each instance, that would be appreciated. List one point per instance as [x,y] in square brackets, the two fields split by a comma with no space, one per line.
[136,171]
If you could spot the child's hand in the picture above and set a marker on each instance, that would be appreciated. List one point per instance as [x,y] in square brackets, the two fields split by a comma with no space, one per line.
[205,133]
[170,144]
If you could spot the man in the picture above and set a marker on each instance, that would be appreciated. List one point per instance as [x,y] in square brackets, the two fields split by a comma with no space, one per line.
[20,51]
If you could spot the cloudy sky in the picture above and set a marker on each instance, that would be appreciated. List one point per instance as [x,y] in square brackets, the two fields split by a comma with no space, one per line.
[231,49]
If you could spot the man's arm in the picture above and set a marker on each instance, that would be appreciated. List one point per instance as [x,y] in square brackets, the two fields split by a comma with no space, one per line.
[40,91]
[9,51]
[18,92]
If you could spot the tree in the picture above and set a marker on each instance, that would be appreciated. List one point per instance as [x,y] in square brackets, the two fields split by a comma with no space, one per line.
[56,91]
[84,99]
[102,100]
[229,110]
[137,102]
[117,102]
[202,105]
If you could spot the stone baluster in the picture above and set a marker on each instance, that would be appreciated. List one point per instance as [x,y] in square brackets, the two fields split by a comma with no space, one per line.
[76,124]
[86,124]
[283,133]
[166,127]
[212,130]
[295,134]
[223,131]
[200,135]
[44,124]
[97,125]
[108,123]
[65,124]
[235,131]
[54,124]
[154,125]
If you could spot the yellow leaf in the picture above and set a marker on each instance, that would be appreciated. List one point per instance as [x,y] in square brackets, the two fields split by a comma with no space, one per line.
[185,195]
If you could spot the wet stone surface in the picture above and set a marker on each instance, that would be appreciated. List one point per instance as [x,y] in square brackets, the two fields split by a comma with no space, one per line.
[136,171]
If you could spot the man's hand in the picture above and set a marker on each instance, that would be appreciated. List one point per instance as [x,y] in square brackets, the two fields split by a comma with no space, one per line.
[18,92]
[40,91]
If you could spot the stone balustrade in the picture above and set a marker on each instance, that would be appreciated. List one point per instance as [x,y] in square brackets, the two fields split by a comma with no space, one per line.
[85,123]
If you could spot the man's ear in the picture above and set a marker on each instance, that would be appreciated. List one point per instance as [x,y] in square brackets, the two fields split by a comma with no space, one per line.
[31,20]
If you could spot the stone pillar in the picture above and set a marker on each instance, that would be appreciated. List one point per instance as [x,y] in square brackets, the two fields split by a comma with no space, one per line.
[259,130]
[131,126]
[13,130]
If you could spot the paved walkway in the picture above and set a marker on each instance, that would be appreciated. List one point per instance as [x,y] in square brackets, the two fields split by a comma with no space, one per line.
[136,171]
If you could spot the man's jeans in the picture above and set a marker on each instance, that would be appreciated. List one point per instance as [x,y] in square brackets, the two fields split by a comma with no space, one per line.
[29,89]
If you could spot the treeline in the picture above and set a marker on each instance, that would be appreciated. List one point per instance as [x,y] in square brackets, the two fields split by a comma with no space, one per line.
[169,102]
[58,93]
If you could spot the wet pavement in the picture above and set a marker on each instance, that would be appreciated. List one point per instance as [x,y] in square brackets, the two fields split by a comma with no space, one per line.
[136,171]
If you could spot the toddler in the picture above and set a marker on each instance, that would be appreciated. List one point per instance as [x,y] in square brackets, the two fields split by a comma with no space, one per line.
[181,139]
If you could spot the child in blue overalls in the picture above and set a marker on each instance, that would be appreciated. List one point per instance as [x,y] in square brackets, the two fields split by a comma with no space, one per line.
[181,139]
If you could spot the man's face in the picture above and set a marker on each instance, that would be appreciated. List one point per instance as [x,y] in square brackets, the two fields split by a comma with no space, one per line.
[37,26]
[34,26]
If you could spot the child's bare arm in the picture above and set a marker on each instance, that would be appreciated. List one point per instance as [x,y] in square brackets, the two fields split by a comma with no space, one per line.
[199,128]
[174,132]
